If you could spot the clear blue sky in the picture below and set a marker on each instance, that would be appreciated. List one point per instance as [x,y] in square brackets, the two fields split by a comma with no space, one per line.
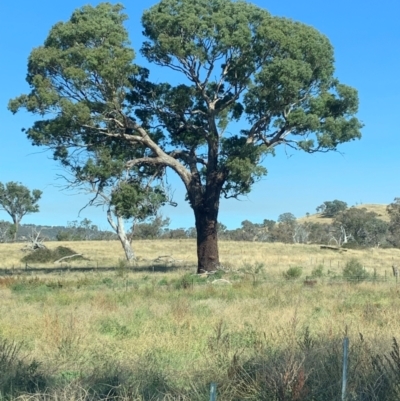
[366,38]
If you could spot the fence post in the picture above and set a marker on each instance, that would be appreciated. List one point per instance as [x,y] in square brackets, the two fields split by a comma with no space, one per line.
[213,392]
[344,376]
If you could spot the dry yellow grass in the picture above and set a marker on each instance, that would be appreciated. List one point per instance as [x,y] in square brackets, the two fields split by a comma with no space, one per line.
[276,257]
[380,210]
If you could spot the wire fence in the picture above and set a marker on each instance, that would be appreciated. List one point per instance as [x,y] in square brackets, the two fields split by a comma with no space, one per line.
[338,389]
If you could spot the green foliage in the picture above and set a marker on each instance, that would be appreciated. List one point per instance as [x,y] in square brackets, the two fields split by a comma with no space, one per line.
[112,327]
[354,271]
[17,200]
[394,226]
[44,255]
[285,229]
[185,283]
[254,270]
[153,228]
[237,63]
[332,208]
[293,273]
[365,228]
[78,231]
[131,199]
[122,268]
[287,218]
[275,63]
[318,271]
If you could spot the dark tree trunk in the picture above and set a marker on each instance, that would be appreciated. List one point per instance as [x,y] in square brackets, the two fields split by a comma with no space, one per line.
[207,242]
[204,200]
[206,216]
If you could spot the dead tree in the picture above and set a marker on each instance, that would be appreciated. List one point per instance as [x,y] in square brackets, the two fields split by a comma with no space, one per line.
[301,234]
[34,241]
[341,237]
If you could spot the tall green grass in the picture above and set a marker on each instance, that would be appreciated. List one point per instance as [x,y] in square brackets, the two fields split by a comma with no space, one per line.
[166,336]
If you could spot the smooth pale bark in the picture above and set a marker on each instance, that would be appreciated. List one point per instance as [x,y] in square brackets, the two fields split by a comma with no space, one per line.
[119,228]
[16,225]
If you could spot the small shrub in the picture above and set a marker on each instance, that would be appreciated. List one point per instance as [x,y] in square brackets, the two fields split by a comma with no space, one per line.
[107,281]
[185,283]
[113,328]
[318,271]
[255,270]
[354,271]
[293,273]
[44,255]
[122,268]
[162,282]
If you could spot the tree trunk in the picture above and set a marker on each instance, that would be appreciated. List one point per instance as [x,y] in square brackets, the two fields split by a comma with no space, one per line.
[129,253]
[15,229]
[119,228]
[206,216]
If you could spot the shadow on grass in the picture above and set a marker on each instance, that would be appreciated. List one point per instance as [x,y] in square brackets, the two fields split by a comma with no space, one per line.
[148,268]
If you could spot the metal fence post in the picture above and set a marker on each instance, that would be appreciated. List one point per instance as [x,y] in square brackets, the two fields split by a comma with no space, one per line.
[345,357]
[213,392]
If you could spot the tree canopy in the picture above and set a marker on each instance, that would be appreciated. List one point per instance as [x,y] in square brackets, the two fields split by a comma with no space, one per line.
[332,208]
[247,82]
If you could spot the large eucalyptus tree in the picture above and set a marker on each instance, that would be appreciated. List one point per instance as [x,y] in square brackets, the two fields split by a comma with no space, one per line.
[246,83]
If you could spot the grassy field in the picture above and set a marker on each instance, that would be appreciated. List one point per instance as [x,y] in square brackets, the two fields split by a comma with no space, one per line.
[97,329]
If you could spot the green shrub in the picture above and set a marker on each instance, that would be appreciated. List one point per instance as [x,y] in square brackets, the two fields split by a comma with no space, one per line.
[111,327]
[162,282]
[107,280]
[293,273]
[318,271]
[354,271]
[121,269]
[44,255]
[255,270]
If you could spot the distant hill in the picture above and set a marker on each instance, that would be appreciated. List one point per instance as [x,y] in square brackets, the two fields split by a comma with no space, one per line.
[380,210]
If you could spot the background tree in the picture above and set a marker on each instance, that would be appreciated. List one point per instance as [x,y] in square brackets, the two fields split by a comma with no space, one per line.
[331,208]
[17,200]
[301,233]
[285,229]
[83,230]
[319,233]
[234,62]
[364,228]
[131,197]
[394,225]
[6,231]
[156,227]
